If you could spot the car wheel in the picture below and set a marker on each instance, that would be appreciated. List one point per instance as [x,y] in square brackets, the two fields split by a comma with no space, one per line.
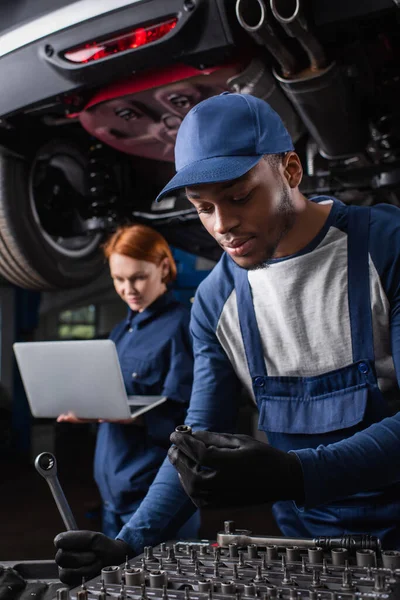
[38,213]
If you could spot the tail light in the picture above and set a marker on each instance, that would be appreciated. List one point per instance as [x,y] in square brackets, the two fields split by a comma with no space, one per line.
[141,36]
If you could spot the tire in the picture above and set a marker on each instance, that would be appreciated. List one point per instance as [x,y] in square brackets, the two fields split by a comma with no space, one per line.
[29,256]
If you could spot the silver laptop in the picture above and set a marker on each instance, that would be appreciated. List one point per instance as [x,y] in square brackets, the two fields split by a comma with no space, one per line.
[83,377]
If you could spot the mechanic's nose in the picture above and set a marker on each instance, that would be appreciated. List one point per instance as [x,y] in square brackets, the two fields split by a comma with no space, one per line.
[224,221]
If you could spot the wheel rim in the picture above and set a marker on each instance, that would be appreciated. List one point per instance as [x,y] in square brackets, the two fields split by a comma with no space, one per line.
[48,173]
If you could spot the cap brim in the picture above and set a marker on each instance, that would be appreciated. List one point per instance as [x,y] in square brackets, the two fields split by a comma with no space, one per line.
[210,170]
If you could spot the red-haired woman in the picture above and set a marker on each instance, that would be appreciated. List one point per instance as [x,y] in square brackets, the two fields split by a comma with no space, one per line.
[154,350]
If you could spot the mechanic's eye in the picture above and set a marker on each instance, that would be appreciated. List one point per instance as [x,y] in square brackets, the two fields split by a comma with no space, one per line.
[241,200]
[204,210]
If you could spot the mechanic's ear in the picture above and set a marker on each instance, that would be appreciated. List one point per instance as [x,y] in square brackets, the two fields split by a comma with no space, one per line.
[292,169]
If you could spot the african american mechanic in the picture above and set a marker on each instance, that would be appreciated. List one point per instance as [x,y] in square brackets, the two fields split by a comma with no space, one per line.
[303,310]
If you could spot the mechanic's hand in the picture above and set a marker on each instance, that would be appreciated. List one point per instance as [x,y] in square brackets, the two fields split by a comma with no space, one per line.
[85,553]
[224,470]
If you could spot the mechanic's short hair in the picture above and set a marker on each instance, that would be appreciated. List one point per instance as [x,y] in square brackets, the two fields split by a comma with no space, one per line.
[275,160]
[143,243]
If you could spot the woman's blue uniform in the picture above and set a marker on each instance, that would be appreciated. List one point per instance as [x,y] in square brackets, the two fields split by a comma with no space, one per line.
[155,354]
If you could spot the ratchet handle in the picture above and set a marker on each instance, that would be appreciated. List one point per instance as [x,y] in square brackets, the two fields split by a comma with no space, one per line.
[46,466]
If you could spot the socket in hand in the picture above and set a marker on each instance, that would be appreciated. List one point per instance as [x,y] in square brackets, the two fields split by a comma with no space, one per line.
[183,429]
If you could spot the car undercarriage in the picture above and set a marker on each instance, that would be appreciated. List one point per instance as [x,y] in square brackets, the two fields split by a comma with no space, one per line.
[92,99]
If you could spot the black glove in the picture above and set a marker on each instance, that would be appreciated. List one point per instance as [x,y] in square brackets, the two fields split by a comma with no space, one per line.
[85,553]
[223,470]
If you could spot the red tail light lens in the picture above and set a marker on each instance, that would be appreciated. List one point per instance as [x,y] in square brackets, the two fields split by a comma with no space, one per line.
[127,41]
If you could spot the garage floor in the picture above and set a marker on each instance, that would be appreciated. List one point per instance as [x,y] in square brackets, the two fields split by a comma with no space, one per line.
[29,519]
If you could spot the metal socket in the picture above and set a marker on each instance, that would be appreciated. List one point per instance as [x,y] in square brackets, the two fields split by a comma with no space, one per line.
[391,559]
[228,587]
[249,589]
[315,555]
[339,556]
[252,551]
[272,553]
[134,576]
[157,579]
[366,558]
[111,574]
[272,592]
[292,554]
[205,586]
[183,429]
[233,550]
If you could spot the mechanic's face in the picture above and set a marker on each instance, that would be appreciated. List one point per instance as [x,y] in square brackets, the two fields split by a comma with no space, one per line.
[137,282]
[251,215]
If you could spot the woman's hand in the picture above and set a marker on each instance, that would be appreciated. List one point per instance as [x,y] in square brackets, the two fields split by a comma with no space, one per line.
[70,417]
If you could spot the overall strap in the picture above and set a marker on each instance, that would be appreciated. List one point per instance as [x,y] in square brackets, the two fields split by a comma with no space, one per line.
[248,325]
[359,296]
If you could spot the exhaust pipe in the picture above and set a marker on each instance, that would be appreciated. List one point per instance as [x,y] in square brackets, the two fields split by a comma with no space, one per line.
[320,93]
[252,16]
[256,79]
[328,109]
[289,14]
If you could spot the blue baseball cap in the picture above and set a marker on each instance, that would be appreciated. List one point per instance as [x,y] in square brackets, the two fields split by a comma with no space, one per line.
[223,137]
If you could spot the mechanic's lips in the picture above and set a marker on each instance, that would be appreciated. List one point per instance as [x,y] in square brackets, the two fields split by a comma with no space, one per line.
[240,248]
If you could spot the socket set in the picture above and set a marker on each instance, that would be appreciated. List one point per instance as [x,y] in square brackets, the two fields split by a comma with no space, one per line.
[205,570]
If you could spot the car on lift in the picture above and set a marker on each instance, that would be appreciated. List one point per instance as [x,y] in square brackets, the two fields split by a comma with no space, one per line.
[93,93]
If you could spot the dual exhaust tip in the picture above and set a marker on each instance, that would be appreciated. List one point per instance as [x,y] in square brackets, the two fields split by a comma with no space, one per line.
[251,15]
[253,18]
[323,97]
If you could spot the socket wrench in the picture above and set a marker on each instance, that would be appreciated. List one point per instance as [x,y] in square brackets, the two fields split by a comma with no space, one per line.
[46,466]
[244,537]
[350,542]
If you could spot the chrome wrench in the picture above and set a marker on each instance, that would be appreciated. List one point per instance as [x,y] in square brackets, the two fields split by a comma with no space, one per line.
[46,465]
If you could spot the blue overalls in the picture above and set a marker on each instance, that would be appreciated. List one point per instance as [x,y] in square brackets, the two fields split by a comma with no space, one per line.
[305,412]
